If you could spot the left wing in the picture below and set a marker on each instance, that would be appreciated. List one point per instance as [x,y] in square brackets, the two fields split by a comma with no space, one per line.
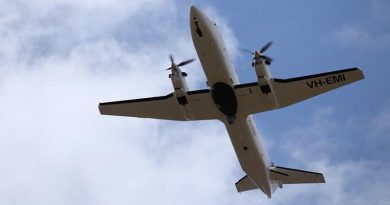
[200,107]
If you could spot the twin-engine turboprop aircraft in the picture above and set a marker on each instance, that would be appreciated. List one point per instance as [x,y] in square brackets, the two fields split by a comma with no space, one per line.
[233,103]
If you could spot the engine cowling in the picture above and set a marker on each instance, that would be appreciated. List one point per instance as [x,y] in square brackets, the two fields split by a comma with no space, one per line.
[264,77]
[180,87]
[179,84]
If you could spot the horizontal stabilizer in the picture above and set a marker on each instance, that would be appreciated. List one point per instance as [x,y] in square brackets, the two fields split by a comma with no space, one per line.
[294,176]
[282,175]
[245,184]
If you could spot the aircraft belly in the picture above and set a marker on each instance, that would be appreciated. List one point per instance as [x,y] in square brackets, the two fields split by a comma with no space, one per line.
[249,151]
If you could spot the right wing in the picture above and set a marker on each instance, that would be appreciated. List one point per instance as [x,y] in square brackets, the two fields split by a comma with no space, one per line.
[293,90]
[200,107]
[252,99]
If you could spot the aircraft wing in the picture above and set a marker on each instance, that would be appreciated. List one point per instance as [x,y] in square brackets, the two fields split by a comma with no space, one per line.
[200,107]
[293,90]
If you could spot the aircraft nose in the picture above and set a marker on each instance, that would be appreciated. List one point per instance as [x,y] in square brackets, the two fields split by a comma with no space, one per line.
[195,12]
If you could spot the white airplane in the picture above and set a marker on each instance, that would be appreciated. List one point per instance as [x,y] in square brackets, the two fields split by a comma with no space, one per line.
[233,103]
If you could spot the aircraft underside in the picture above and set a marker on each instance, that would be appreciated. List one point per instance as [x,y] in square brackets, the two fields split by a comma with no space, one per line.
[233,103]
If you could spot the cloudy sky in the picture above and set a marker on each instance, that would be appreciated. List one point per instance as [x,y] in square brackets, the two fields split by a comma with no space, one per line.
[58,59]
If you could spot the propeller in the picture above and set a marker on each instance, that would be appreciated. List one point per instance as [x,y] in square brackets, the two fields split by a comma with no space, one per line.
[180,64]
[247,51]
[266,47]
[268,60]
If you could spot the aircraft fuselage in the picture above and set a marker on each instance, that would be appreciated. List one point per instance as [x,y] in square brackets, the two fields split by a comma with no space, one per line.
[221,78]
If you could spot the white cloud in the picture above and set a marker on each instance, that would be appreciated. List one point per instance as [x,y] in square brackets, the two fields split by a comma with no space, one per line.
[362,38]
[349,182]
[351,35]
[374,34]
[59,60]
[381,122]
[302,143]
[381,9]
[349,179]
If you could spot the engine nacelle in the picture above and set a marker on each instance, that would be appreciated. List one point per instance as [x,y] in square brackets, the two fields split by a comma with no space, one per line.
[179,85]
[180,91]
[264,78]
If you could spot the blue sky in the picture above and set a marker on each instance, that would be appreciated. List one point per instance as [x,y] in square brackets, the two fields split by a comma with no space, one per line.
[59,59]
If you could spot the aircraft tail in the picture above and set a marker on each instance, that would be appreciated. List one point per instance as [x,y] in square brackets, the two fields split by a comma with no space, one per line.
[282,175]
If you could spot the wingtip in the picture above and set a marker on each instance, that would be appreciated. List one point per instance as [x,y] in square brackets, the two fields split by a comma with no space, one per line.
[361,72]
[322,179]
[100,108]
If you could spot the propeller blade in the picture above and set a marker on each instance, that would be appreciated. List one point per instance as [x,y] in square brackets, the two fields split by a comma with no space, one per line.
[243,66]
[267,58]
[185,62]
[247,51]
[171,58]
[168,68]
[264,48]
